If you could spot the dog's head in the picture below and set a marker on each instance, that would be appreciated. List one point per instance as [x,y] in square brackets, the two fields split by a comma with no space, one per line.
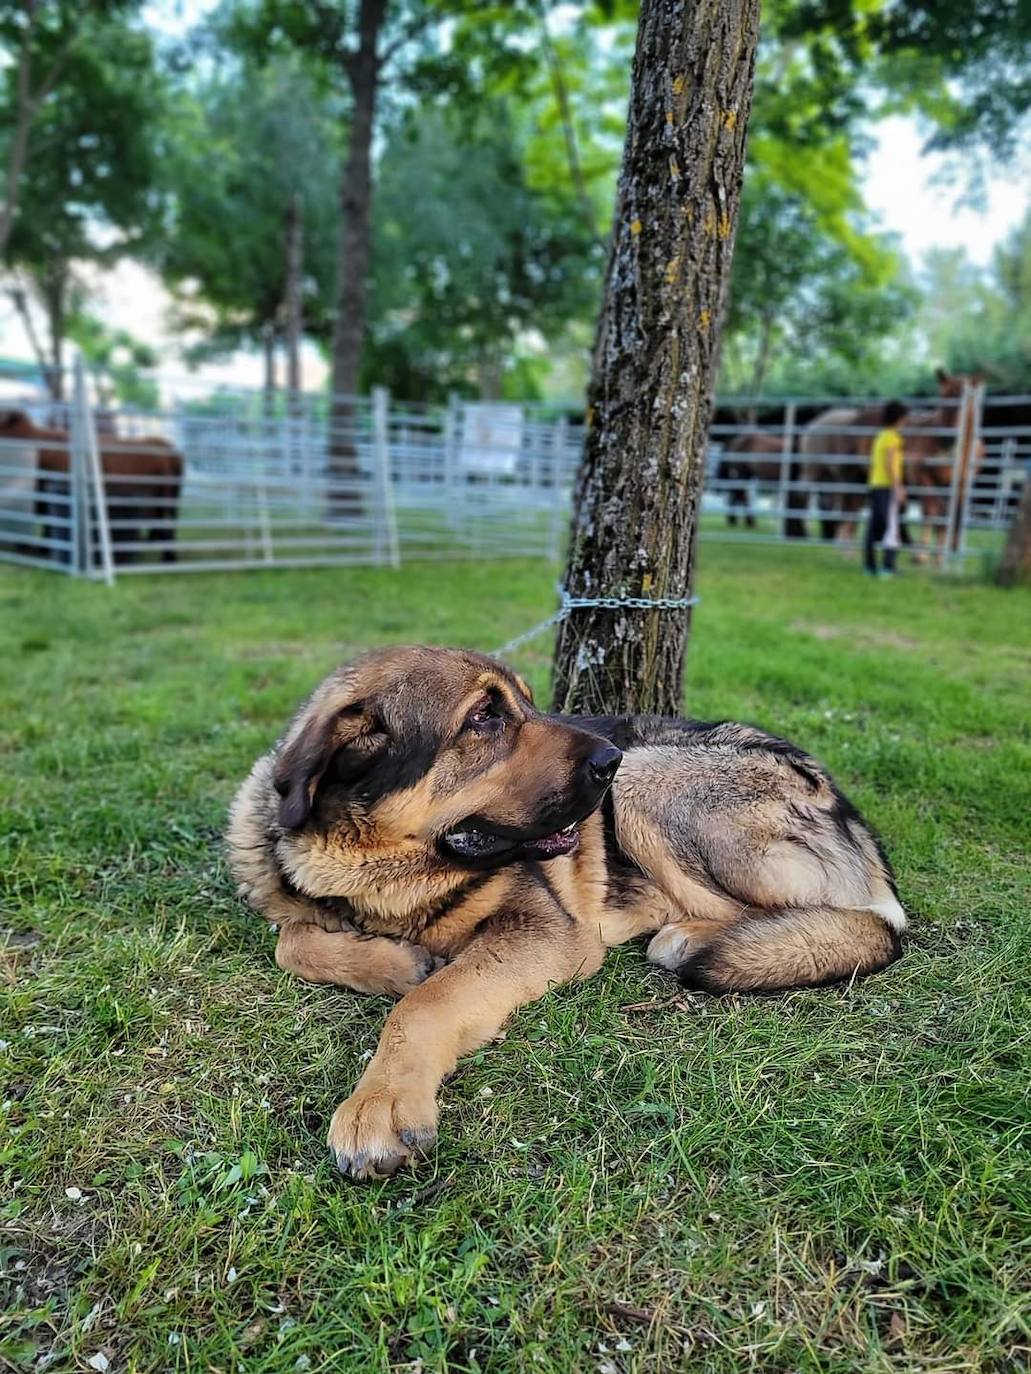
[441,750]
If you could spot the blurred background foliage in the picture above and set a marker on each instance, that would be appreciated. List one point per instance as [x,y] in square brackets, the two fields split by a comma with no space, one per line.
[494,154]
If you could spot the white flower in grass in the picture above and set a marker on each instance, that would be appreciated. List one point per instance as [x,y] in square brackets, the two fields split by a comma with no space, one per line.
[99,1361]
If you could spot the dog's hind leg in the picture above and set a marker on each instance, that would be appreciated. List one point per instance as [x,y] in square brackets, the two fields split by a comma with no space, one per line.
[774,951]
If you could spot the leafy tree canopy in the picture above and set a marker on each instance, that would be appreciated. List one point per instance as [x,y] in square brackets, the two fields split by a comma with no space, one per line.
[244,141]
[470,257]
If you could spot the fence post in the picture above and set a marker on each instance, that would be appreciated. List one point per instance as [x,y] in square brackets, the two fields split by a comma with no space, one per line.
[1004,482]
[451,487]
[79,527]
[88,477]
[967,461]
[264,522]
[787,448]
[558,453]
[381,447]
[945,546]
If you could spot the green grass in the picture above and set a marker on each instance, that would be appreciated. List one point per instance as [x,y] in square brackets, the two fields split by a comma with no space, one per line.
[635,1179]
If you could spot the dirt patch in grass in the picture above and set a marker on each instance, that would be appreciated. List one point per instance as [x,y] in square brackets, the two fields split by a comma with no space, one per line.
[886,639]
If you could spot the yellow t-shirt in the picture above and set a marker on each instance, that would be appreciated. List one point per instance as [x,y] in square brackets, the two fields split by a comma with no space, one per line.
[886,459]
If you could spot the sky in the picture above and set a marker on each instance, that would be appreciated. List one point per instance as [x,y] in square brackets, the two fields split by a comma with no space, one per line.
[908,192]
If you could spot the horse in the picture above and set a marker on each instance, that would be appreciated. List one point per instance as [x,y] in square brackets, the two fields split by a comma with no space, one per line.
[142,484]
[758,456]
[827,450]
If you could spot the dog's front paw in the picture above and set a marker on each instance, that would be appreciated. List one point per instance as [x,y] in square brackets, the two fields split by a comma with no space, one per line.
[397,966]
[377,1129]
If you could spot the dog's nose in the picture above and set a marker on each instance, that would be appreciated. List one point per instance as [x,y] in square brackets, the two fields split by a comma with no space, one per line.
[603,763]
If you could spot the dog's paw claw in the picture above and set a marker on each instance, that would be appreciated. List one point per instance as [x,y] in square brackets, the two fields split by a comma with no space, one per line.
[418,1140]
[376,1131]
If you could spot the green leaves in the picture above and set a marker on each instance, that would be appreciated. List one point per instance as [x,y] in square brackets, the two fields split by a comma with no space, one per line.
[242,141]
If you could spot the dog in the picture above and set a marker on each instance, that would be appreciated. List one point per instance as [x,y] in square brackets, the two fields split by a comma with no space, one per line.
[423,831]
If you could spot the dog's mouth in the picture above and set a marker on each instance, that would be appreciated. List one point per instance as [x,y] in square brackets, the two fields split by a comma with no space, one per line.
[482,845]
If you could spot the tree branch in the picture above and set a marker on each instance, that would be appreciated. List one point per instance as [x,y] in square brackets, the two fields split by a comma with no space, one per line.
[331,20]
[21,305]
[569,132]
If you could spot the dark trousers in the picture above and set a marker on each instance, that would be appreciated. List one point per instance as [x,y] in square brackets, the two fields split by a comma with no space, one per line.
[877,527]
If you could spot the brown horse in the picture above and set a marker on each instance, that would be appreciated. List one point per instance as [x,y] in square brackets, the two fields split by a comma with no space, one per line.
[142,484]
[827,452]
[756,456]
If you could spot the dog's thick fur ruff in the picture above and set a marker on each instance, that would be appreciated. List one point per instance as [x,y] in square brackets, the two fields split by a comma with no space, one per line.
[423,831]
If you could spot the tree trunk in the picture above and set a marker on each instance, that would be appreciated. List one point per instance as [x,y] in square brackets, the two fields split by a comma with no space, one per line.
[762,362]
[268,350]
[565,111]
[27,106]
[363,71]
[19,144]
[635,515]
[1016,556]
[54,296]
[294,317]
[21,304]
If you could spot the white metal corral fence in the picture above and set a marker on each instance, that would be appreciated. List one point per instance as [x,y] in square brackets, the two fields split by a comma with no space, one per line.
[224,482]
[798,470]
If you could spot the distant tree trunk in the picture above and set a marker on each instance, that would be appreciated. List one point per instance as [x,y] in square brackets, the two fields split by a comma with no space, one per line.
[21,304]
[268,349]
[55,284]
[294,316]
[573,162]
[25,108]
[762,362]
[27,103]
[491,377]
[1016,556]
[363,70]
[650,396]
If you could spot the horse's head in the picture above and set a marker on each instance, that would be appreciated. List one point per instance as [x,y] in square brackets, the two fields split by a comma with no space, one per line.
[951,384]
[12,419]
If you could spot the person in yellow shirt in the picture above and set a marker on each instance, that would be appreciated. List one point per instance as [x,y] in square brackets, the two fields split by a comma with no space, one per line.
[887,491]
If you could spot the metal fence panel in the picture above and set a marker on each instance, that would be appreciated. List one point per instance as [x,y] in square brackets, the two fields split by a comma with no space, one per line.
[231,481]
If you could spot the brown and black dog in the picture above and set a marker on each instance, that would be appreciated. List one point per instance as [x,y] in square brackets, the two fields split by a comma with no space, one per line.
[423,831]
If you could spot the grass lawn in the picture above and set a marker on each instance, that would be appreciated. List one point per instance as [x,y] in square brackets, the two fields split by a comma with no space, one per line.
[635,1179]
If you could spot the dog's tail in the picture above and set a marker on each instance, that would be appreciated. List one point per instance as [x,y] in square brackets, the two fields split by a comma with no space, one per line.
[804,948]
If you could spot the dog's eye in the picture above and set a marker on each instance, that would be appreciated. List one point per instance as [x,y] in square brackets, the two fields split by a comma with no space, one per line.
[485,718]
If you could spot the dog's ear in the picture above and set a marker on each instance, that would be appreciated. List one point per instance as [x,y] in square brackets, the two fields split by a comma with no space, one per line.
[305,759]
[524,687]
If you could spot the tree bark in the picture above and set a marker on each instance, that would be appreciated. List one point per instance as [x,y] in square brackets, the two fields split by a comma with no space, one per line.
[268,350]
[55,285]
[565,111]
[363,70]
[762,362]
[27,105]
[635,514]
[24,111]
[294,314]
[21,304]
[1015,565]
